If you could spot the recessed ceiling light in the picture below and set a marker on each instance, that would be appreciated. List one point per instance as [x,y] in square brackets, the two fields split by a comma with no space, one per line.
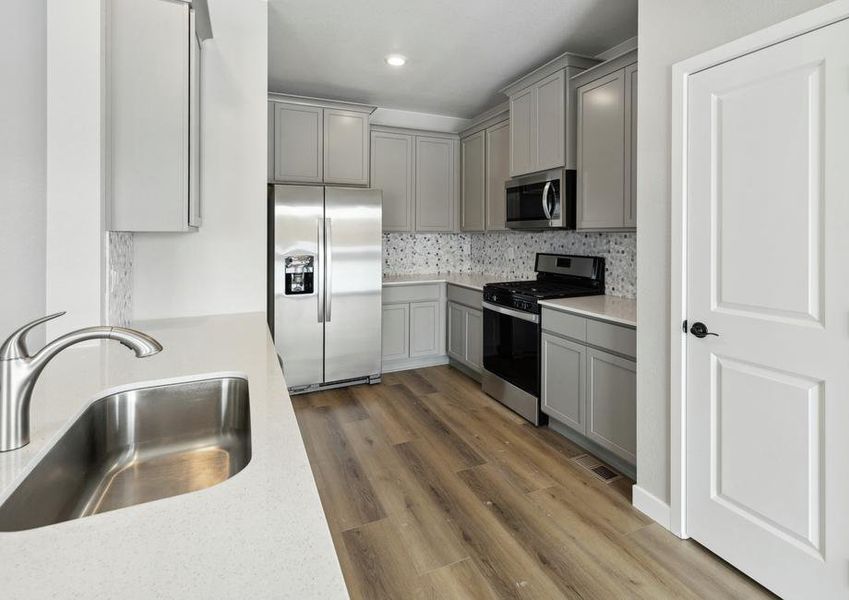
[396,60]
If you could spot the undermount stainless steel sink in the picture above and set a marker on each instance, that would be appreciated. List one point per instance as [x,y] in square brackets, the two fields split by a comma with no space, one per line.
[134,447]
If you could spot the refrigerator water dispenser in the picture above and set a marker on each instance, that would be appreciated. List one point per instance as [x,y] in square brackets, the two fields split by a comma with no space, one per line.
[300,271]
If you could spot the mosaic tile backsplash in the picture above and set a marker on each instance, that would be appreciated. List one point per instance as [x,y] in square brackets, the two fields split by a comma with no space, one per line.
[491,253]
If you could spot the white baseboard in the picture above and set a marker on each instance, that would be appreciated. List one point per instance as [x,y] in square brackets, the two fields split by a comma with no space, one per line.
[414,363]
[652,506]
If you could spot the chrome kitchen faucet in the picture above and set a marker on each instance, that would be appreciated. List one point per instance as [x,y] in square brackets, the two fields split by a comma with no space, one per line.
[19,371]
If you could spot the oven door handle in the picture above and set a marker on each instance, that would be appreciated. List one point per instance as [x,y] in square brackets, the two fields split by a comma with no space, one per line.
[545,210]
[511,312]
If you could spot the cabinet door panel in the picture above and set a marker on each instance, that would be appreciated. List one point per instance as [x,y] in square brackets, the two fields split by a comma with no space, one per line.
[345,147]
[424,329]
[631,146]
[474,339]
[601,153]
[612,403]
[396,331]
[456,332]
[523,126]
[550,128]
[497,174]
[298,143]
[392,172]
[195,217]
[473,188]
[564,381]
[435,173]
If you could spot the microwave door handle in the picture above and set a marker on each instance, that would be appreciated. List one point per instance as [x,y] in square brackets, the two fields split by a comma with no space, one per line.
[319,274]
[545,210]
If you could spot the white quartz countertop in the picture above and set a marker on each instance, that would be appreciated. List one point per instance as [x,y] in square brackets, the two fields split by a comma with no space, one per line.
[606,308]
[260,534]
[473,281]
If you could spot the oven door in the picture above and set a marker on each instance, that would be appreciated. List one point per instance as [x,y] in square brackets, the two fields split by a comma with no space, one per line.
[511,346]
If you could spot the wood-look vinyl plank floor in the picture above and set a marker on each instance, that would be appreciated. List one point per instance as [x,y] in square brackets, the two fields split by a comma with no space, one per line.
[434,491]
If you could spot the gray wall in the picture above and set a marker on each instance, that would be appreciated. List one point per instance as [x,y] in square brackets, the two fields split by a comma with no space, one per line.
[668,33]
[22,163]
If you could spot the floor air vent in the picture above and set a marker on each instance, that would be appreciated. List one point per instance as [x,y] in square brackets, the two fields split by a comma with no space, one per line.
[597,468]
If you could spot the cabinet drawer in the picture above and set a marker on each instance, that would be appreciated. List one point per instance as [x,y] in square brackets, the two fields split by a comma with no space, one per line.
[565,324]
[622,340]
[465,296]
[412,293]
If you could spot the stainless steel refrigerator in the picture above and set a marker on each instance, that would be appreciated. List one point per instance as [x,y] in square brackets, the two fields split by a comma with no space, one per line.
[325,284]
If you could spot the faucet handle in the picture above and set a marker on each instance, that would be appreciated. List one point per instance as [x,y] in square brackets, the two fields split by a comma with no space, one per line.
[15,345]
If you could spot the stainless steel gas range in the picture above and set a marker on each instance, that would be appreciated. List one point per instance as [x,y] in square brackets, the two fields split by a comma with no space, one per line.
[512,329]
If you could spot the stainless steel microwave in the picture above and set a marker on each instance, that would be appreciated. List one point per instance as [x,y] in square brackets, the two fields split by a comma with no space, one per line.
[542,201]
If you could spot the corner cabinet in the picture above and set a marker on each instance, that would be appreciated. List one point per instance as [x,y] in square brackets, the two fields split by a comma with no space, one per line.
[484,169]
[606,145]
[419,175]
[413,326]
[318,143]
[152,95]
[589,380]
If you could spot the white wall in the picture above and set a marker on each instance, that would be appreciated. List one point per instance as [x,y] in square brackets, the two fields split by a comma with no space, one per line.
[22,163]
[221,268]
[670,32]
[75,260]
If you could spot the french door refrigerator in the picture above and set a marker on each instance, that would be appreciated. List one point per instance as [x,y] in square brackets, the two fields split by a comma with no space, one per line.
[325,284]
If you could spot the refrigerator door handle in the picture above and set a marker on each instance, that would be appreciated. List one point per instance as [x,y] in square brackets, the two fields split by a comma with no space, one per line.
[319,291]
[328,268]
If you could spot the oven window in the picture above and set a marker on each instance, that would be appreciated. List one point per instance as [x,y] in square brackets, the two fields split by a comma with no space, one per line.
[511,350]
[524,203]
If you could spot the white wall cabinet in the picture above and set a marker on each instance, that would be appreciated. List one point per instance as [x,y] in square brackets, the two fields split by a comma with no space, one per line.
[419,175]
[473,186]
[311,143]
[413,326]
[588,380]
[606,146]
[152,81]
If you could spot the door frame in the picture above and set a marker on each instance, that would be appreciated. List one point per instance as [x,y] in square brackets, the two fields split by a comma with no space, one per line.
[795,26]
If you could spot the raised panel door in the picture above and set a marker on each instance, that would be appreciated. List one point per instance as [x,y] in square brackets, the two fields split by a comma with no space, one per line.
[523,131]
[392,170]
[456,331]
[424,329]
[298,143]
[473,187]
[346,147]
[563,375]
[435,183]
[601,153]
[497,174]
[612,403]
[550,126]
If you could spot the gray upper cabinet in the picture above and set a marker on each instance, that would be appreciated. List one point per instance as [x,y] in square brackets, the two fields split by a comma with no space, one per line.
[523,125]
[152,82]
[346,149]
[606,145]
[550,96]
[436,183]
[298,143]
[318,143]
[473,187]
[392,170]
[497,174]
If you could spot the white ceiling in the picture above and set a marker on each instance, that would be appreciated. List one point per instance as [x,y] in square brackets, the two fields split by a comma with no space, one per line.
[460,52]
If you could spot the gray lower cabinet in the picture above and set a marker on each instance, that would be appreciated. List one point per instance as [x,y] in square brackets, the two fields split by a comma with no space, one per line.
[396,332]
[588,380]
[465,335]
[424,329]
[564,381]
[473,186]
[611,384]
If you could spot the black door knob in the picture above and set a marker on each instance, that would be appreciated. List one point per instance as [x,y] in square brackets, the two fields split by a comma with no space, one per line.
[700,330]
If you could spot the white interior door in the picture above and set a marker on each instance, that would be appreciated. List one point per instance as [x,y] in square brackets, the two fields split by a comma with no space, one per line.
[768,271]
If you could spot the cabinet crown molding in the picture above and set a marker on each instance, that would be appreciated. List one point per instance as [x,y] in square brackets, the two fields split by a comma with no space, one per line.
[494,115]
[567,59]
[605,68]
[321,102]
